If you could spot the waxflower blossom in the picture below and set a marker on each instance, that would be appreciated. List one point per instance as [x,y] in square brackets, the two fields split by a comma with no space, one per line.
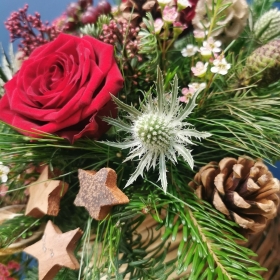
[200,69]
[210,46]
[158,24]
[169,14]
[197,86]
[189,50]
[178,28]
[189,92]
[164,2]
[4,170]
[220,66]
[157,131]
[199,35]
[182,4]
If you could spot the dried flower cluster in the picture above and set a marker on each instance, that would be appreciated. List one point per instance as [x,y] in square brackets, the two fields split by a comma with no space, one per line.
[30,29]
[122,33]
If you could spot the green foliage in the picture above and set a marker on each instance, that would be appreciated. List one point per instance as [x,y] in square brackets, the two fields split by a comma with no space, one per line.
[207,249]
[259,7]
[95,29]
[20,227]
[149,47]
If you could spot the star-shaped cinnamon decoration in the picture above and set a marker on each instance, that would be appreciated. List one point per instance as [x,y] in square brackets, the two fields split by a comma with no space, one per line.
[55,250]
[99,192]
[45,195]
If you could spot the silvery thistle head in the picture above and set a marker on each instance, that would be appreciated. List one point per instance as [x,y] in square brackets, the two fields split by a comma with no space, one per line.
[157,131]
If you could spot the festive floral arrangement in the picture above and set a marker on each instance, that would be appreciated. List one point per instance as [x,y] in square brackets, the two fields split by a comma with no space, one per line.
[135,141]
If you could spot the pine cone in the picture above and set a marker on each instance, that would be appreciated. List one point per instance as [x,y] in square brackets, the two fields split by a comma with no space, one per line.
[234,19]
[243,190]
[263,65]
[135,10]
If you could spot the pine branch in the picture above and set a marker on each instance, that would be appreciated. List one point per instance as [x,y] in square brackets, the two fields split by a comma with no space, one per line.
[19,227]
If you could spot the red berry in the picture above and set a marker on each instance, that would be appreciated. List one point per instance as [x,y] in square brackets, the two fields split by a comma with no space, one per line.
[104,7]
[85,3]
[69,26]
[89,16]
[73,10]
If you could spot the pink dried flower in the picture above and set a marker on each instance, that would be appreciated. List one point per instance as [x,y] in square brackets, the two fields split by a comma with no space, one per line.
[30,29]
[4,272]
[13,265]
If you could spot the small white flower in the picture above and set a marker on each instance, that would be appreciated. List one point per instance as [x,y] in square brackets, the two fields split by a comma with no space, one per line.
[182,4]
[210,46]
[200,69]
[158,132]
[189,50]
[4,170]
[220,66]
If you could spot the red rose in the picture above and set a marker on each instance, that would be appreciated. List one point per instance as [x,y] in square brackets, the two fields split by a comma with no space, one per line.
[64,88]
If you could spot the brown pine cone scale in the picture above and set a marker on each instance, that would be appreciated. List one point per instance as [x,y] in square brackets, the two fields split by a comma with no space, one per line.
[242,189]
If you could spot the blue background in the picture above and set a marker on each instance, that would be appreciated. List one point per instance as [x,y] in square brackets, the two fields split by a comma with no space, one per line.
[50,10]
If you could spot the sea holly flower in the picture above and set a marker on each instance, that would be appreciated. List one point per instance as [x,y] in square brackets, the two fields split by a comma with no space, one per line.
[169,14]
[158,24]
[189,50]
[200,69]
[220,66]
[4,170]
[157,131]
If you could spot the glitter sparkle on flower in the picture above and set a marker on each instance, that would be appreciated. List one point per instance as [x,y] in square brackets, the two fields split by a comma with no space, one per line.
[4,170]
[200,69]
[220,66]
[157,132]
[189,50]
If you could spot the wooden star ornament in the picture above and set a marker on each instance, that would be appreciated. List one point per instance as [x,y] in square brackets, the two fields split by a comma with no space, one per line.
[55,250]
[45,195]
[99,192]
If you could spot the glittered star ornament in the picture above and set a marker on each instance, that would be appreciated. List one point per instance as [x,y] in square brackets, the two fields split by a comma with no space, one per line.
[55,250]
[45,195]
[99,192]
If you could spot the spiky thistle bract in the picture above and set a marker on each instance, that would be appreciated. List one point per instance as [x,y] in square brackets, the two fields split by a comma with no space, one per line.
[157,131]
